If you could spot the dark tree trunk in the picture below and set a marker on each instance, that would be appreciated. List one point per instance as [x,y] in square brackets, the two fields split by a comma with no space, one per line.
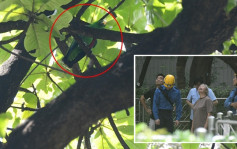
[180,70]
[144,70]
[12,72]
[231,61]
[201,67]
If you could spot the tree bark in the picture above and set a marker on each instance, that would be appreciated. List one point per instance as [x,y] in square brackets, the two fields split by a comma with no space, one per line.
[73,112]
[201,67]
[12,72]
[231,61]
[180,70]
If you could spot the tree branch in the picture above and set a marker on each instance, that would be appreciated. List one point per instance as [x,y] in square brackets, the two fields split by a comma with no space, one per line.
[83,9]
[111,121]
[79,142]
[11,75]
[38,100]
[30,60]
[76,108]
[55,82]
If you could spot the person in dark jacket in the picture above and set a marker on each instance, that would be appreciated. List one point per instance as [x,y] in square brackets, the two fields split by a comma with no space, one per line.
[149,95]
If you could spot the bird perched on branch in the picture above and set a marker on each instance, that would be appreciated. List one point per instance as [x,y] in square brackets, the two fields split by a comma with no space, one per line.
[75,52]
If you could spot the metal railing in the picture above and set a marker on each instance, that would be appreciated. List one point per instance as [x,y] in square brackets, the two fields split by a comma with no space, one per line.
[142,116]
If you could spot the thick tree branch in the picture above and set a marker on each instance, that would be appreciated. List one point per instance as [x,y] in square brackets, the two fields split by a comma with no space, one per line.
[12,25]
[12,72]
[76,108]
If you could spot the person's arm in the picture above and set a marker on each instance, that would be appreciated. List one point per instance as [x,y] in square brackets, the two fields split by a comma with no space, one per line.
[206,124]
[228,102]
[142,100]
[155,107]
[188,101]
[209,107]
[212,96]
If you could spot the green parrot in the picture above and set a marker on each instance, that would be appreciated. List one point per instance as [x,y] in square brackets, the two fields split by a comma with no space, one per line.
[75,52]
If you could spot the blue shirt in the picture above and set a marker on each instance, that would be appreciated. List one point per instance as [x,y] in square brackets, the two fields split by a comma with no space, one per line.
[160,102]
[230,99]
[193,96]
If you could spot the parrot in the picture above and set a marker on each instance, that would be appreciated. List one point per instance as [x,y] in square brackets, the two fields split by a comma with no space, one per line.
[75,52]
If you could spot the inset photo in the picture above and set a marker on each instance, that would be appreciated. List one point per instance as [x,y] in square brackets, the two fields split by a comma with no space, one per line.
[185,98]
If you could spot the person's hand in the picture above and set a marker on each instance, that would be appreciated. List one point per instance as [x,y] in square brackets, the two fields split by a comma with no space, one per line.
[148,111]
[157,122]
[234,105]
[176,123]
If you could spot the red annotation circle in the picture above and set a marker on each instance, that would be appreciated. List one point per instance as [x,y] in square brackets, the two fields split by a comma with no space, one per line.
[81,75]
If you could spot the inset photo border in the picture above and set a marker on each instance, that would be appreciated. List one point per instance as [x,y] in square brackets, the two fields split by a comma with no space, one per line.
[185,98]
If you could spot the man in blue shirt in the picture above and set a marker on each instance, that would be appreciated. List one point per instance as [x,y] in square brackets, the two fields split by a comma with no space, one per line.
[164,99]
[193,96]
[231,101]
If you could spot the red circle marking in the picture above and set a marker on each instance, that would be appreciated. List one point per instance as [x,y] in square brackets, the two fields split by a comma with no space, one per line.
[50,34]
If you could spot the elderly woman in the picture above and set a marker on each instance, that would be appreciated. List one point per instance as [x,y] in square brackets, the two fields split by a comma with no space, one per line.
[202,108]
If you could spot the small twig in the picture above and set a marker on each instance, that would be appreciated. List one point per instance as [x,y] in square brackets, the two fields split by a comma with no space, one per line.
[36,67]
[79,141]
[38,100]
[30,60]
[103,58]
[83,9]
[12,39]
[24,90]
[25,108]
[111,121]
[9,129]
[127,112]
[87,140]
[112,10]
[54,82]
[94,128]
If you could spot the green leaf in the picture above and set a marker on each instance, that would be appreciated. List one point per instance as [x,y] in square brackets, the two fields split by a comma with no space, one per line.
[3,54]
[52,4]
[126,129]
[30,99]
[190,145]
[63,20]
[27,4]
[16,122]
[12,10]
[4,119]
[230,5]
[37,38]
